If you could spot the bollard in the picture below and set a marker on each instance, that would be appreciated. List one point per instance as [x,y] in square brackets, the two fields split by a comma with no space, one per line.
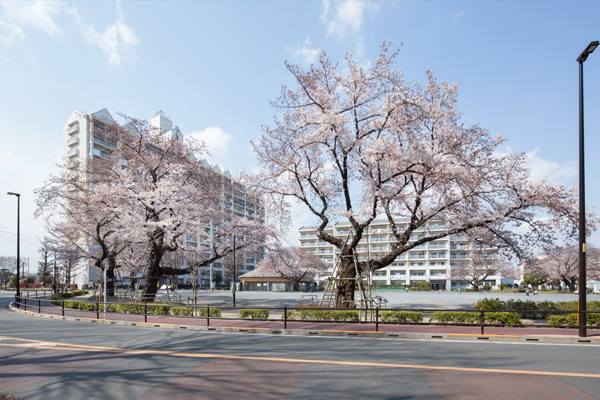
[482,321]
[208,315]
[25,302]
[145,312]
[377,319]
[285,316]
[63,308]
[39,306]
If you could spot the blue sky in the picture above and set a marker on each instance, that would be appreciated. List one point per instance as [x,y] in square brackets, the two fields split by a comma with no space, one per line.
[214,66]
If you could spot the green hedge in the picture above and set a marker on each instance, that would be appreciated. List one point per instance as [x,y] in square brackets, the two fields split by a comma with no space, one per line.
[532,308]
[65,295]
[254,313]
[465,317]
[152,309]
[401,316]
[323,315]
[447,317]
[571,319]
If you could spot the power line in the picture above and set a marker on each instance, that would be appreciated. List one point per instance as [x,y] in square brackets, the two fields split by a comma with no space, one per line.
[15,234]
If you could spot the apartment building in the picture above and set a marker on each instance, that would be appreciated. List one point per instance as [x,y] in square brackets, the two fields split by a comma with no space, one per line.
[432,262]
[84,138]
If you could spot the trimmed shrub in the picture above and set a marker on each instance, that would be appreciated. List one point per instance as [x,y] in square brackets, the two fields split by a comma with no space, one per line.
[180,311]
[323,315]
[401,316]
[214,312]
[490,304]
[254,313]
[505,318]
[455,317]
[571,319]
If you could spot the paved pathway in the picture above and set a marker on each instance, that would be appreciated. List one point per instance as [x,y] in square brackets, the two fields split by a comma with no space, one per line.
[229,321]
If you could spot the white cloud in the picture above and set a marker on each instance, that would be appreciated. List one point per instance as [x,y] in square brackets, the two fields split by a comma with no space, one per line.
[347,17]
[216,141]
[555,172]
[457,15]
[37,14]
[305,52]
[118,40]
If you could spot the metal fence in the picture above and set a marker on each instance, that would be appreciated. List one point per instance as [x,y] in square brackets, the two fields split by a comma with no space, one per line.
[37,301]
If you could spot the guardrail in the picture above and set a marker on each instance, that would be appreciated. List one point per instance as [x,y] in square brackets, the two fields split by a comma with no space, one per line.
[375,316]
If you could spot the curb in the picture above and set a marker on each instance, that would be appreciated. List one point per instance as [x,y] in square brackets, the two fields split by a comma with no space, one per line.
[461,337]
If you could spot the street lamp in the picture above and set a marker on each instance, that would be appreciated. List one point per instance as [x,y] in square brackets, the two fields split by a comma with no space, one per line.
[18,296]
[582,267]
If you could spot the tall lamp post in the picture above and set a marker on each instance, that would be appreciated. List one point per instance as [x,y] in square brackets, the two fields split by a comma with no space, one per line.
[18,296]
[582,261]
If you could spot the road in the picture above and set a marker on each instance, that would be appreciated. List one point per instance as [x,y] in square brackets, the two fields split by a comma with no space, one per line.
[51,359]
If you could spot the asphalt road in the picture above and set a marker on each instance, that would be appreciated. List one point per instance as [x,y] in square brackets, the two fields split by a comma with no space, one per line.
[51,359]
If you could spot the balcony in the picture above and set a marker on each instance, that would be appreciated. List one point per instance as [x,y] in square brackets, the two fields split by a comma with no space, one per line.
[104,143]
[99,153]
[73,128]
[73,141]
[73,152]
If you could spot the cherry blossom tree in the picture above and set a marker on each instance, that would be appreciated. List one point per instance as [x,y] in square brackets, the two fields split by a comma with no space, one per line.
[163,193]
[292,264]
[144,200]
[80,216]
[482,264]
[357,143]
[561,264]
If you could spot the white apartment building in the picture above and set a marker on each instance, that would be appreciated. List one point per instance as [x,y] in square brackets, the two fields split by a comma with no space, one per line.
[84,138]
[432,262]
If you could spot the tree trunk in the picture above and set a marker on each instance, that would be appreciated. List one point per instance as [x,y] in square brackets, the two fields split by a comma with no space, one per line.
[153,276]
[571,283]
[344,297]
[110,276]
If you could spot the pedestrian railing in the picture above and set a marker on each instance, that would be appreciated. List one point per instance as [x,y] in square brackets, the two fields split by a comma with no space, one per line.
[36,301]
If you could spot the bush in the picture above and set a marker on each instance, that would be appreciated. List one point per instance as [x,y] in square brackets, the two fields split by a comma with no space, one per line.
[490,304]
[180,311]
[401,316]
[422,286]
[562,319]
[214,312]
[530,307]
[571,319]
[504,318]
[323,315]
[450,317]
[254,313]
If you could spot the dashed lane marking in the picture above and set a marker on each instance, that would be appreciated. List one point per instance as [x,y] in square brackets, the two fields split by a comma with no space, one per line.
[75,347]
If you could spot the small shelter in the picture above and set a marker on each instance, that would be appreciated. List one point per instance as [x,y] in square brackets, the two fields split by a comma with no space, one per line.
[269,282]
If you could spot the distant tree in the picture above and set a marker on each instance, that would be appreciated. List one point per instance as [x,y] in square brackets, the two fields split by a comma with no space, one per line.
[218,278]
[292,264]
[44,264]
[561,263]
[358,143]
[8,263]
[535,278]
[7,268]
[482,263]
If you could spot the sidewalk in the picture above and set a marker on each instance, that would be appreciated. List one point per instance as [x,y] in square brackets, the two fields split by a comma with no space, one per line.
[366,330]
